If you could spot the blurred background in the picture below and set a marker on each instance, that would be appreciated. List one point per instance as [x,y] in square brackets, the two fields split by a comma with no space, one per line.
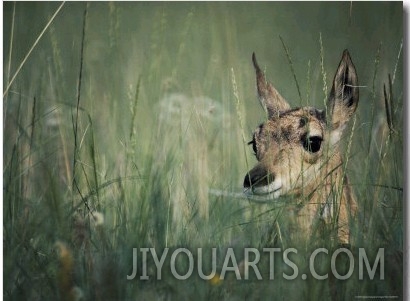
[138,113]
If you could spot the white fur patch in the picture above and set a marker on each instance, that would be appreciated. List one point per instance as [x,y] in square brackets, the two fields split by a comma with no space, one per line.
[336,135]
[273,190]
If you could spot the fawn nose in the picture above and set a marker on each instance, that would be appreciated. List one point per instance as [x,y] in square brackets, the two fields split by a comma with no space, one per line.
[258,177]
[247,181]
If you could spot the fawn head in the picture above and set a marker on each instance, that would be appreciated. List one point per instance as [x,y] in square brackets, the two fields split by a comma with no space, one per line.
[293,145]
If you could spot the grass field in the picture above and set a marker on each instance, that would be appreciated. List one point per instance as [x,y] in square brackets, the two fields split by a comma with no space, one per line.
[125,126]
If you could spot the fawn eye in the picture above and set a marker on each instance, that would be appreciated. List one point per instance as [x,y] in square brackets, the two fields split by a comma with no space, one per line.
[253,143]
[312,144]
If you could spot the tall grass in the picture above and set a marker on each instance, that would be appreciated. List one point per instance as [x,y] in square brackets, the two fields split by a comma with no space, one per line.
[119,130]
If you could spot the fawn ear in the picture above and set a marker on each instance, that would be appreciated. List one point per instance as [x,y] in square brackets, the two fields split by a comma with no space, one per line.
[344,96]
[269,97]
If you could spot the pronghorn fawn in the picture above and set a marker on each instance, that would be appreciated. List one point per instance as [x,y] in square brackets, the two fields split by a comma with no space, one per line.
[298,156]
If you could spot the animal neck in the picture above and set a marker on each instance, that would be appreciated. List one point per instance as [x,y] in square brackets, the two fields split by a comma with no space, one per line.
[328,201]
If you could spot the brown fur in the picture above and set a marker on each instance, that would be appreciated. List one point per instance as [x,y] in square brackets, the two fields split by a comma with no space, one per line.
[298,155]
